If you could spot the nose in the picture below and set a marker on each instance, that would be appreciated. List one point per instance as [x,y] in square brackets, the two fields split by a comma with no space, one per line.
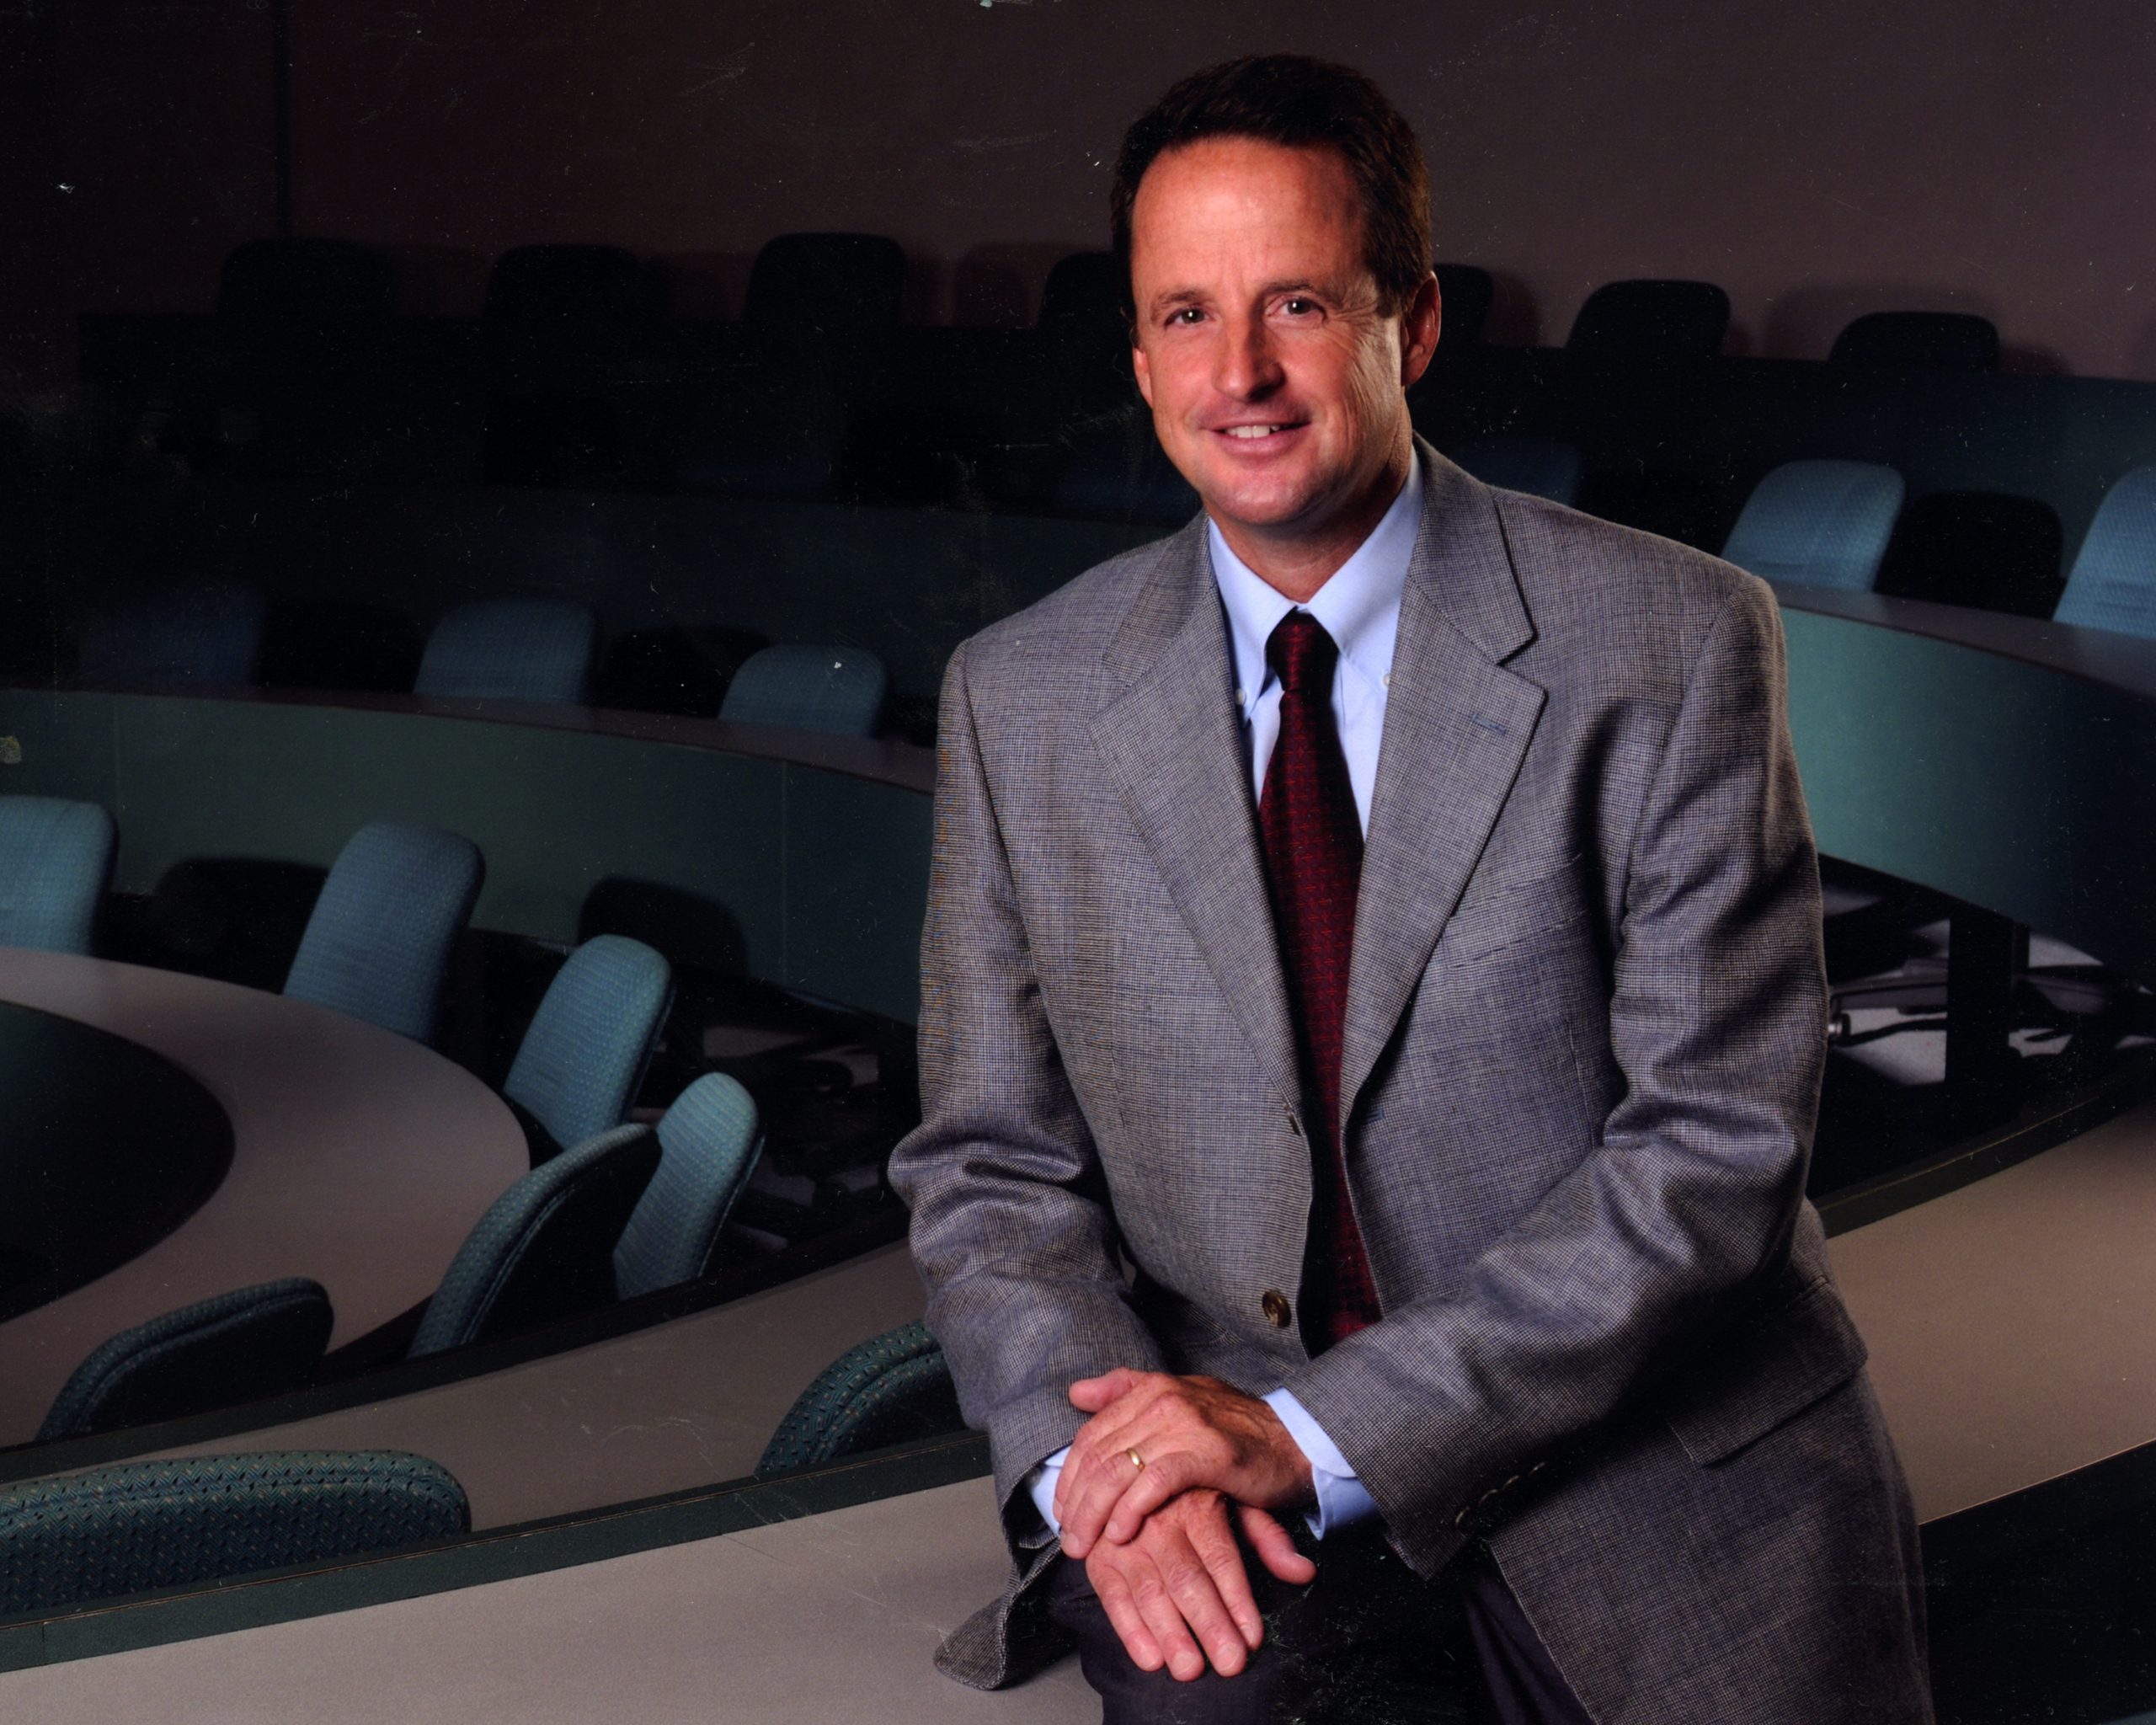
[1245,367]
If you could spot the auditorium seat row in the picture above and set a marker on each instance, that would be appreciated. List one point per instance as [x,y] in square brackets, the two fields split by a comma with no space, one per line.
[538,650]
[818,389]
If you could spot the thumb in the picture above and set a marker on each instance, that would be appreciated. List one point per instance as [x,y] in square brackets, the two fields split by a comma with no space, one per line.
[1091,1395]
[1275,1546]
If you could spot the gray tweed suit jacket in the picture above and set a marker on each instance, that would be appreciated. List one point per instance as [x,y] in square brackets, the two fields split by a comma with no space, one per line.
[1583,1048]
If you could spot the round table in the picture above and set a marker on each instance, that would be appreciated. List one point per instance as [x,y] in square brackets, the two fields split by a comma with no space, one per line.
[358,1157]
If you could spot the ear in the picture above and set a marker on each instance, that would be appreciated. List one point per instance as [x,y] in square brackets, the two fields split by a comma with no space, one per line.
[1419,326]
[1143,371]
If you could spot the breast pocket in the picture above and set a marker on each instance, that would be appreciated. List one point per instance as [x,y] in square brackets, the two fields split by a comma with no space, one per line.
[1513,911]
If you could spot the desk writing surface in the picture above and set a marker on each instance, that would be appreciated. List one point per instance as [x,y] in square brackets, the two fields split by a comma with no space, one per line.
[358,1158]
[826,1620]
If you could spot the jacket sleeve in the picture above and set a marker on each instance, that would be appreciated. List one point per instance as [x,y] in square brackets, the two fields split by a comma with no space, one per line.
[1691,1196]
[1011,1230]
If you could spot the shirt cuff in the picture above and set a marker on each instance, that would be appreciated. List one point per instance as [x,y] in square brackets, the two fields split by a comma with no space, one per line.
[1342,1500]
[1041,1484]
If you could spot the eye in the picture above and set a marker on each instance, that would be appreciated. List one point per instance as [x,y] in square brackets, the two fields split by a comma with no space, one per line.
[1184,316]
[1298,305]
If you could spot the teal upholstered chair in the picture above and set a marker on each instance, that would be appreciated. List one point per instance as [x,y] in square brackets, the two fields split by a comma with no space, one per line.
[709,1142]
[888,1390]
[1818,524]
[512,649]
[85,1536]
[2113,584]
[232,1348]
[378,942]
[834,689]
[56,861]
[545,1249]
[576,1071]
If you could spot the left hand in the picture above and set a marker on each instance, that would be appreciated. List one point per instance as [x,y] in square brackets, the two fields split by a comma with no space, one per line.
[1191,1431]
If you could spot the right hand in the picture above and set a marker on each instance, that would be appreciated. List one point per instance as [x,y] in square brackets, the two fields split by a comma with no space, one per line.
[1179,1584]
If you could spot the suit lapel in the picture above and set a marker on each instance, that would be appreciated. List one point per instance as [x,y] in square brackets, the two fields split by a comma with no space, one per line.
[1170,739]
[1456,729]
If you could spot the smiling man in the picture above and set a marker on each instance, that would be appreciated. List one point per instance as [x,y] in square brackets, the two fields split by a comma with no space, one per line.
[1371,1021]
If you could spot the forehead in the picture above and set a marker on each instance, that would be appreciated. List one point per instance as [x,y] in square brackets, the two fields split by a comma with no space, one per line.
[1227,205]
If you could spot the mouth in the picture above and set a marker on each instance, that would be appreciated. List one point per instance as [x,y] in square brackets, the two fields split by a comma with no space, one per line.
[1258,434]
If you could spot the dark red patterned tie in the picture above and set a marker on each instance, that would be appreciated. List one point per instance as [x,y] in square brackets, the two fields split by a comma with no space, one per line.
[1313,859]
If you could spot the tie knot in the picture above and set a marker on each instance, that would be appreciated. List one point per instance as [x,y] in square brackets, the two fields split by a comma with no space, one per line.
[1301,655]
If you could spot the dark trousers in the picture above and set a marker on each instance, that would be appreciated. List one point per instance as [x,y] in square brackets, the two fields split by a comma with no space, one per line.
[1369,1642]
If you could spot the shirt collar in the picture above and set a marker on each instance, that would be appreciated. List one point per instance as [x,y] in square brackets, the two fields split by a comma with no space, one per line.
[1358,605]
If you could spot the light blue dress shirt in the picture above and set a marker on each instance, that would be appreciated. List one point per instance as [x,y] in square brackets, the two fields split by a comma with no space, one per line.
[1359,606]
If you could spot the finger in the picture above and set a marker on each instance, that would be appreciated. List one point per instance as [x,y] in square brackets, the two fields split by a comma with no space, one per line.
[1275,1546]
[1087,1492]
[1113,1592]
[1214,1543]
[1196,1596]
[1091,1395]
[1164,1616]
[1145,1490]
[1103,1464]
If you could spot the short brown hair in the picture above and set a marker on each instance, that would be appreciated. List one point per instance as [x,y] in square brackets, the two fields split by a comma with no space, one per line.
[1300,102]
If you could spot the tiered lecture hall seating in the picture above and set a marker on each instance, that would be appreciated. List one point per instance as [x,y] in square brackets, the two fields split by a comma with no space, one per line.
[745,512]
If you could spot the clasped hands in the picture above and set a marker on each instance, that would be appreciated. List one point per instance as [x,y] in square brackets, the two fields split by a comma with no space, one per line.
[1150,1495]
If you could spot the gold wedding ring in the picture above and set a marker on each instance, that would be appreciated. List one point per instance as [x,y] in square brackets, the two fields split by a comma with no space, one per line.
[1137,1460]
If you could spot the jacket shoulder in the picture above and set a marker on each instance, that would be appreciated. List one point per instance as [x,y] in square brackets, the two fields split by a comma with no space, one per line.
[1069,630]
[1616,593]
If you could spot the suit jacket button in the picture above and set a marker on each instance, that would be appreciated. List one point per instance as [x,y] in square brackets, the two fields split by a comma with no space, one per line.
[1276,1309]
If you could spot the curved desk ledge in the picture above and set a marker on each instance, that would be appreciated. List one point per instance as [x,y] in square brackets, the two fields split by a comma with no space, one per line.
[2124,662]
[830,1617]
[358,1158]
[2012,1323]
[883,761]
[669,1408]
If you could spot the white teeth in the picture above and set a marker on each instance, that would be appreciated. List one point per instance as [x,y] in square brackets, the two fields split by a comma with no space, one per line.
[1253,430]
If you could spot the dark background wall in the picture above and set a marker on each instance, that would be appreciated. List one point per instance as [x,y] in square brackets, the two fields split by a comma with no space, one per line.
[1818,157]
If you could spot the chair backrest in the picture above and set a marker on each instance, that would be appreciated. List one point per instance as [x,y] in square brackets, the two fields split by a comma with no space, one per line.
[709,1141]
[191,637]
[545,1248]
[378,942]
[55,862]
[1651,321]
[230,1349]
[512,649]
[2113,584]
[577,1070]
[1934,341]
[844,285]
[114,1530]
[888,1389]
[1818,524]
[834,689]
[1540,466]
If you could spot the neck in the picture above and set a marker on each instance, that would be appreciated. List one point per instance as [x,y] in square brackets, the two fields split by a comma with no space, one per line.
[1297,558]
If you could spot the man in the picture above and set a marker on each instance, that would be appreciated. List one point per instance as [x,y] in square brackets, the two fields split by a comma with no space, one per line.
[1371,1021]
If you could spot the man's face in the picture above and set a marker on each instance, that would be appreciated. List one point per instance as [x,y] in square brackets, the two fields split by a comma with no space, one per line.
[1276,383]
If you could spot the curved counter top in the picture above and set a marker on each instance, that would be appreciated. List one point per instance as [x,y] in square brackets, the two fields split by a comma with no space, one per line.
[358,1158]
